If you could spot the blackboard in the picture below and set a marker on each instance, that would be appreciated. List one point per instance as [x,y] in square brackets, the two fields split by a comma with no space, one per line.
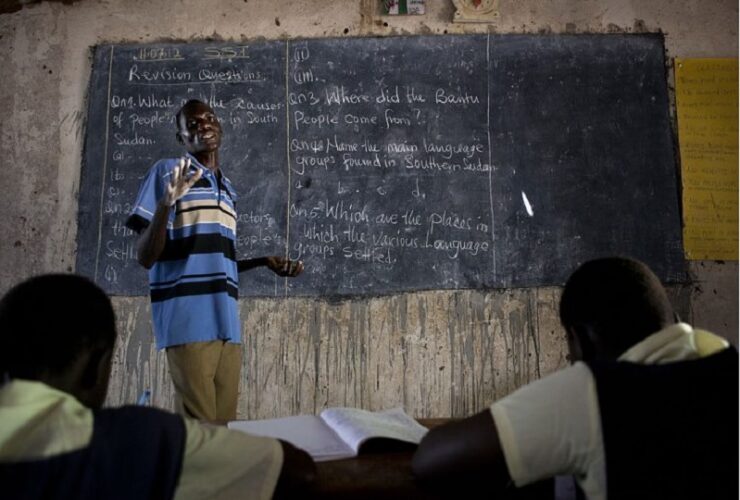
[399,163]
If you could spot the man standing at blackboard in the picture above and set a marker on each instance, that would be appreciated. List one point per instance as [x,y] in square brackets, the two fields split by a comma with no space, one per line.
[185,215]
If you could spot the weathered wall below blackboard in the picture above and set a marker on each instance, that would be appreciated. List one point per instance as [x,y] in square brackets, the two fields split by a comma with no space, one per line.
[435,353]
[438,353]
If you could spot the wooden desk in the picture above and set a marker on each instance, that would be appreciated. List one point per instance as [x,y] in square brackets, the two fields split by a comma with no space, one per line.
[387,476]
[375,476]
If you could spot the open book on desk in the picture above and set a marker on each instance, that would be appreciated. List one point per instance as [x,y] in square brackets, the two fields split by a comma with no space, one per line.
[337,432]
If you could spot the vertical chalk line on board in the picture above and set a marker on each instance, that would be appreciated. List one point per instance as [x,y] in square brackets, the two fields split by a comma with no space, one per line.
[490,165]
[105,167]
[287,150]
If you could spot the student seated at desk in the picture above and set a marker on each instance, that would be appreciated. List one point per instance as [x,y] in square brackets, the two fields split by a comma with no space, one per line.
[56,342]
[649,409]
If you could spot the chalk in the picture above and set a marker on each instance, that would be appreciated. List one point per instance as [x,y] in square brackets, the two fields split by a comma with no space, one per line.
[527,205]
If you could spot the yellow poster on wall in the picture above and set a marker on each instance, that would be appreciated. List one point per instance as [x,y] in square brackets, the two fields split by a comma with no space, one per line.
[707,107]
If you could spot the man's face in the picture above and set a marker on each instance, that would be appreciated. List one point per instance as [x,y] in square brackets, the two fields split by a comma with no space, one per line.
[199,129]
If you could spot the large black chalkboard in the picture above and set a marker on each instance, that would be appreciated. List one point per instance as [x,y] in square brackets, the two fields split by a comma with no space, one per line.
[403,163]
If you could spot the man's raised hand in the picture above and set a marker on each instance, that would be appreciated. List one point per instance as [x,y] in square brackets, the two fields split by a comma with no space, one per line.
[181,180]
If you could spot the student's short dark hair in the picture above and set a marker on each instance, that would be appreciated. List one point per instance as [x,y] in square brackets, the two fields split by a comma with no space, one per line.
[47,321]
[189,104]
[619,299]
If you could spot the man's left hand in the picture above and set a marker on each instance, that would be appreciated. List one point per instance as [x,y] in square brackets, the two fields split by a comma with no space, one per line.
[284,267]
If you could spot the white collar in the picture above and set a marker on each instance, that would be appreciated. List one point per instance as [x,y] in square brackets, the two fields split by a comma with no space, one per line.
[677,342]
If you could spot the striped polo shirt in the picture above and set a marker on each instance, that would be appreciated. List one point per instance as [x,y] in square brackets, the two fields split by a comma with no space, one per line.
[194,284]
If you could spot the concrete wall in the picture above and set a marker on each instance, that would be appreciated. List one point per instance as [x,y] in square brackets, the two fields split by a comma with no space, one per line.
[436,353]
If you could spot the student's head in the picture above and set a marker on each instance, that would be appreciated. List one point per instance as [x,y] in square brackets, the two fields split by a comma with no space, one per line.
[609,305]
[198,128]
[59,329]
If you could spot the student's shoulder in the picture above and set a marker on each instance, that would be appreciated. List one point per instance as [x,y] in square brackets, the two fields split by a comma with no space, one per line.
[576,374]
[560,387]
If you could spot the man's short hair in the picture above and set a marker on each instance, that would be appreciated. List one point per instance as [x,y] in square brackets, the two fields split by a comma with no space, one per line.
[189,104]
[47,321]
[619,299]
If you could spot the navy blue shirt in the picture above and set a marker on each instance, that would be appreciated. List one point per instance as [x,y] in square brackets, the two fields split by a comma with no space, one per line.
[134,452]
[670,430]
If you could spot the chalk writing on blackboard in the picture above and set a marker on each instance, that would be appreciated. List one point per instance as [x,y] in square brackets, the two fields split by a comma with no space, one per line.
[399,163]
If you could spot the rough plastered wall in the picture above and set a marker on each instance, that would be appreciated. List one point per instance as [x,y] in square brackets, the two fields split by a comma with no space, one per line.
[435,353]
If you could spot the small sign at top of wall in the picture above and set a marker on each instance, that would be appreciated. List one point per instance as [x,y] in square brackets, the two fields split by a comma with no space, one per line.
[476,11]
[402,7]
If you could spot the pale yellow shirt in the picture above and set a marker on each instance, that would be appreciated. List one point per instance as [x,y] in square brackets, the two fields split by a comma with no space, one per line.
[552,426]
[37,421]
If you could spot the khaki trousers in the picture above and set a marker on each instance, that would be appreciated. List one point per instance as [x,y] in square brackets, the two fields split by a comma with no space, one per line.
[206,378]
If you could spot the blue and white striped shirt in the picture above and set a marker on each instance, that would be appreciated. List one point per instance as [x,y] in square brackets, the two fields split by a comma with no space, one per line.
[194,283]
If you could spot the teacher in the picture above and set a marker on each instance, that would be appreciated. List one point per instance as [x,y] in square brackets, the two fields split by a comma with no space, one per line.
[185,215]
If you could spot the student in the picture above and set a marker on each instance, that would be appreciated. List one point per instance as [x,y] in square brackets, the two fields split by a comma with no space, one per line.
[186,216]
[56,343]
[649,409]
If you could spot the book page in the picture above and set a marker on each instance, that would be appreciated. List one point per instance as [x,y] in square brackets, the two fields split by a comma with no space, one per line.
[355,426]
[307,432]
